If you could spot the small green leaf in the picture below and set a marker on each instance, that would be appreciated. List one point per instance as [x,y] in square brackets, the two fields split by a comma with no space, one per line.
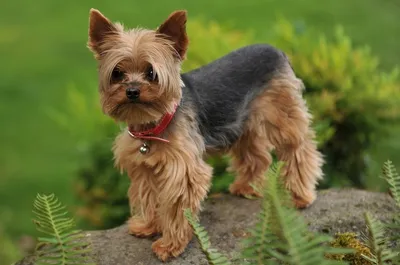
[63,245]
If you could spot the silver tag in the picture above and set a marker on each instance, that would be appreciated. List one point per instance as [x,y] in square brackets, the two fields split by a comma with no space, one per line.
[144,149]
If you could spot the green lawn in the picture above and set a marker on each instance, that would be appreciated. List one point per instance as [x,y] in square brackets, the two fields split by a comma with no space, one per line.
[43,49]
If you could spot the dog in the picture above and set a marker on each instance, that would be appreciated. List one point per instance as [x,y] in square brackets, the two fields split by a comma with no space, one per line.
[247,103]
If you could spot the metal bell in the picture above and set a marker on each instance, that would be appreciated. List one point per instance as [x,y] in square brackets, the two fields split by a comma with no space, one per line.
[144,149]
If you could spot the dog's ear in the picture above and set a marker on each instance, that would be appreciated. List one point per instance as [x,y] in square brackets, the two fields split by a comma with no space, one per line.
[174,28]
[100,28]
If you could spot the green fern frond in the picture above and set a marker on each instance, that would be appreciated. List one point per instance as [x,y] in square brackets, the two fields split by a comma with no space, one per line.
[213,256]
[377,242]
[261,234]
[393,178]
[281,235]
[61,245]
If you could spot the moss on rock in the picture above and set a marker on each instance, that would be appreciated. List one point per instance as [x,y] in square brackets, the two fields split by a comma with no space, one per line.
[350,240]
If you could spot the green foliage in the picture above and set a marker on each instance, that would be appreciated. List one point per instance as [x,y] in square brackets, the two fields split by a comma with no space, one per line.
[393,178]
[61,245]
[222,177]
[213,256]
[377,242]
[346,89]
[209,41]
[82,118]
[282,235]
[377,232]
[350,241]
[101,189]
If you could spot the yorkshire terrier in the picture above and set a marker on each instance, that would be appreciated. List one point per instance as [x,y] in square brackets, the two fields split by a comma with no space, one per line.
[247,103]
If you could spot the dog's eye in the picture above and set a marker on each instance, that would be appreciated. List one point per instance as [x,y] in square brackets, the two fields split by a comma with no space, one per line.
[151,75]
[117,75]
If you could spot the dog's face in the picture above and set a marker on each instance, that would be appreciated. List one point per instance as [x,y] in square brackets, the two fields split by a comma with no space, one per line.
[139,69]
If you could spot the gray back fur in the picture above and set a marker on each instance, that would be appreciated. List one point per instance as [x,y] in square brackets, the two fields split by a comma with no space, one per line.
[221,91]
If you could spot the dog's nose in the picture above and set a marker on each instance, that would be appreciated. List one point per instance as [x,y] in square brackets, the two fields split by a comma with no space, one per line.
[132,93]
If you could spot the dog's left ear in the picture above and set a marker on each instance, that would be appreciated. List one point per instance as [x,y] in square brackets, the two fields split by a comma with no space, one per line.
[175,29]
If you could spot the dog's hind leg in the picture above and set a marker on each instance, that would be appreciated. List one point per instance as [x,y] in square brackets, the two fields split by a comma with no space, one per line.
[250,158]
[287,123]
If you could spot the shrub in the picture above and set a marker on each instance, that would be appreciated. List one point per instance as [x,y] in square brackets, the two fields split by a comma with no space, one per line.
[349,96]
[347,91]
[101,189]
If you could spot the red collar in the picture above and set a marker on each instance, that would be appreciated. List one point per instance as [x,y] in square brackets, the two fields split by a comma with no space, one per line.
[153,133]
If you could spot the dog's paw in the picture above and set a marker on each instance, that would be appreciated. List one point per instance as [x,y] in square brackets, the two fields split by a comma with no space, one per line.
[303,202]
[164,250]
[244,190]
[139,228]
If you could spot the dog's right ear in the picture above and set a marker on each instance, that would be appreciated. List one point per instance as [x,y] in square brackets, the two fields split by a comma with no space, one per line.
[100,28]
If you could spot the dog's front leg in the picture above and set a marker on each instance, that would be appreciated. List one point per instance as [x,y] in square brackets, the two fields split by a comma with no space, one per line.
[184,183]
[142,195]
[142,192]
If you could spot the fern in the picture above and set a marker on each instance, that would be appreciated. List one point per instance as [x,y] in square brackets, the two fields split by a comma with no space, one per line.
[281,235]
[213,256]
[376,230]
[62,245]
[377,242]
[393,178]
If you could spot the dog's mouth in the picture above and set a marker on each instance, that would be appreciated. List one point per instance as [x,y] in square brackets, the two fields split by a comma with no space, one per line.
[124,106]
[142,113]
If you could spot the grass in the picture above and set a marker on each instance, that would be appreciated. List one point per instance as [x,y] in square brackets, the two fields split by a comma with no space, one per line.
[43,49]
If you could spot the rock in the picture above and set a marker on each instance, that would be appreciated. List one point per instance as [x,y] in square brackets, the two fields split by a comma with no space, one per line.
[227,219]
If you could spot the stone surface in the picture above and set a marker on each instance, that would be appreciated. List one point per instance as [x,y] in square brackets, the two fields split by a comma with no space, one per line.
[227,219]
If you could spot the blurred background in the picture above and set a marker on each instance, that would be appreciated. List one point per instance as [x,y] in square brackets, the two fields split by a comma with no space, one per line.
[54,138]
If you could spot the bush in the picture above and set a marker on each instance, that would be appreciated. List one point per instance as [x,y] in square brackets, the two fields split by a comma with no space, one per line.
[346,90]
[101,189]
[349,96]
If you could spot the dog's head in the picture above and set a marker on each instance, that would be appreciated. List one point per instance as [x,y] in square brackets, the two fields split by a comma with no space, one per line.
[139,69]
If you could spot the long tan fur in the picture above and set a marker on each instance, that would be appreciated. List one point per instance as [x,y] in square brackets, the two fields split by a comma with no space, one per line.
[279,121]
[169,179]
[173,176]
